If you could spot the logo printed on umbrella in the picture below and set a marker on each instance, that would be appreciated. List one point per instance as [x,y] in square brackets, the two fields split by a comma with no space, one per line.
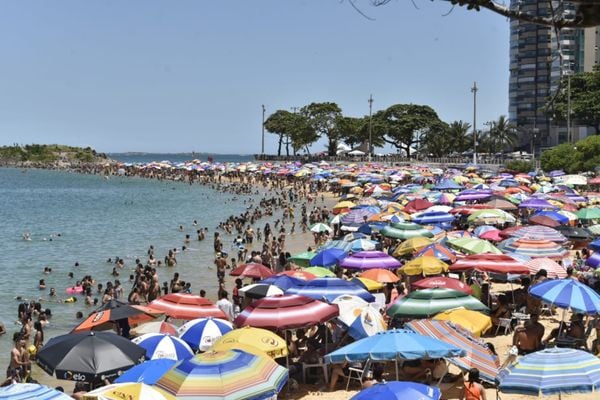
[270,341]
[98,316]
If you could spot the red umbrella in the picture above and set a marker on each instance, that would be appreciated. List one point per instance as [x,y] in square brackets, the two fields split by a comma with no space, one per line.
[187,306]
[299,274]
[498,263]
[505,233]
[286,312]
[544,220]
[417,205]
[494,235]
[252,270]
[443,282]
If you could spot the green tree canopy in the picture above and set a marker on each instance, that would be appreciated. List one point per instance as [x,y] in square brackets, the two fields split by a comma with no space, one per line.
[292,129]
[585,99]
[323,118]
[581,157]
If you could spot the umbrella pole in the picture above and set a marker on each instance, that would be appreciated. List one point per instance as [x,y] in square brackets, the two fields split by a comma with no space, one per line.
[287,362]
[396,361]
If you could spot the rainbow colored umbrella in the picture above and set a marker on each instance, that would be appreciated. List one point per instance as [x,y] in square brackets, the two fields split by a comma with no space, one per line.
[478,355]
[230,375]
[535,248]
[539,232]
[437,250]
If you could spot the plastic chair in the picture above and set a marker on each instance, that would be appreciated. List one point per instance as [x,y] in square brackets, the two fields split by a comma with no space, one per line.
[505,323]
[357,374]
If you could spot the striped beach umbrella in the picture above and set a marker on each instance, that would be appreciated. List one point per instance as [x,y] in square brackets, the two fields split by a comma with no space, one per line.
[478,354]
[231,375]
[554,269]
[552,371]
[201,334]
[154,327]
[28,391]
[568,293]
[535,248]
[497,263]
[473,246]
[439,251]
[329,289]
[186,306]
[539,232]
[369,260]
[126,390]
[158,345]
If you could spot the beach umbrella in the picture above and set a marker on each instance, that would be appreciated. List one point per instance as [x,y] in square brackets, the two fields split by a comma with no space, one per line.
[411,246]
[159,345]
[492,217]
[370,259]
[474,194]
[88,356]
[394,345]
[329,289]
[201,334]
[286,312]
[544,220]
[483,229]
[285,281]
[424,265]
[260,290]
[302,259]
[553,269]
[318,272]
[103,317]
[552,371]
[352,236]
[328,257]
[148,372]
[362,321]
[320,228]
[187,306]
[405,230]
[469,209]
[478,355]
[443,282]
[263,340]
[126,390]
[367,284]
[535,248]
[380,275]
[567,293]
[539,232]
[29,391]
[588,213]
[154,327]
[363,245]
[231,375]
[594,229]
[493,235]
[343,206]
[430,218]
[335,244]
[473,246]
[595,245]
[575,233]
[399,390]
[501,204]
[437,250]
[428,302]
[298,274]
[537,204]
[252,270]
[496,263]
[593,261]
[417,205]
[473,321]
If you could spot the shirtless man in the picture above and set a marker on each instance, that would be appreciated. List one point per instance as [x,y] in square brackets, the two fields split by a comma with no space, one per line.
[14,371]
[528,338]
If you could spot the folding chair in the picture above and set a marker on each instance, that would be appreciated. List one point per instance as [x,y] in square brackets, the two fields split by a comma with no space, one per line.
[357,374]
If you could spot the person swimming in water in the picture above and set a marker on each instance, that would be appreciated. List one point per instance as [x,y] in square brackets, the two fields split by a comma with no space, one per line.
[26,236]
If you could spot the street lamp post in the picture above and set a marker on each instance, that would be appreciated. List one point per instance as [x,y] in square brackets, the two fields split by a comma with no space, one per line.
[474,90]
[262,151]
[370,126]
[569,133]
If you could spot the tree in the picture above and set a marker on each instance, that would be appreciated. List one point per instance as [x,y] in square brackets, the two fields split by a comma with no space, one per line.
[279,123]
[438,141]
[589,153]
[585,99]
[323,117]
[460,136]
[292,129]
[502,134]
[355,131]
[587,12]
[406,124]
[563,156]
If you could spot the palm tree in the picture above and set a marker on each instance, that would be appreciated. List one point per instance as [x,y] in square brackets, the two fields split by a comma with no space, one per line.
[502,134]
[461,138]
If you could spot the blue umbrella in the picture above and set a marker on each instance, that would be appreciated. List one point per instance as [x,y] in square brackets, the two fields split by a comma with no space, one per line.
[336,244]
[552,371]
[363,244]
[433,218]
[28,391]
[201,334]
[395,344]
[448,184]
[159,345]
[329,288]
[568,293]
[328,257]
[555,215]
[282,281]
[595,245]
[397,390]
[148,372]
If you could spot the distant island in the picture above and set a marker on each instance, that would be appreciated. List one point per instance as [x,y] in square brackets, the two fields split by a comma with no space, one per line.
[50,156]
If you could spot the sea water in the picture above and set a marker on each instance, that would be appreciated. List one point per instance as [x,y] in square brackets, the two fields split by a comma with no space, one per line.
[98,218]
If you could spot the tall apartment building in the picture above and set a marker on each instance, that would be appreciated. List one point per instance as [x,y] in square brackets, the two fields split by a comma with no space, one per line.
[535,72]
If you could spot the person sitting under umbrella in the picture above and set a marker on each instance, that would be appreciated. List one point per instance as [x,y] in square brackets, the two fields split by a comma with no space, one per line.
[574,330]
[424,370]
[528,338]
[374,378]
[502,311]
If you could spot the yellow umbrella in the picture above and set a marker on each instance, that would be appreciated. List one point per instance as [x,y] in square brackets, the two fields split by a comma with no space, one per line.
[262,339]
[238,346]
[129,391]
[473,321]
[424,265]
[368,284]
[411,245]
[344,204]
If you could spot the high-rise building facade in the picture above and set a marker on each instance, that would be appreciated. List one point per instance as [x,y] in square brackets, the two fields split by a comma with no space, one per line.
[536,55]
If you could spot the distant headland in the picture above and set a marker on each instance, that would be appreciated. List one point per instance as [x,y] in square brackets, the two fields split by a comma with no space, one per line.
[50,156]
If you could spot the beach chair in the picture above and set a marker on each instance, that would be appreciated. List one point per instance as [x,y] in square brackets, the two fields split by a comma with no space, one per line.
[576,343]
[505,323]
[357,374]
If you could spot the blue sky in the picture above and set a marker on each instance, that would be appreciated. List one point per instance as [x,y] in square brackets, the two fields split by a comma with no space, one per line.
[171,76]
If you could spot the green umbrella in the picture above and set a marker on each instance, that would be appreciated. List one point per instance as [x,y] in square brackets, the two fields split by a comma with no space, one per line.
[595,229]
[588,213]
[406,230]
[492,214]
[319,272]
[302,259]
[320,228]
[473,246]
[427,302]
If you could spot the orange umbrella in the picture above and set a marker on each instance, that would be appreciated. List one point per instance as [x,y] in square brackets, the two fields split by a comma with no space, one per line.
[187,306]
[104,316]
[380,275]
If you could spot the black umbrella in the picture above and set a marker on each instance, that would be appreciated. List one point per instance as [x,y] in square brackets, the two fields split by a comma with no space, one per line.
[103,317]
[260,290]
[576,233]
[89,356]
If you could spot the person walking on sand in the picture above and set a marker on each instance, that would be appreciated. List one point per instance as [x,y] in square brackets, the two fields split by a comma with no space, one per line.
[225,305]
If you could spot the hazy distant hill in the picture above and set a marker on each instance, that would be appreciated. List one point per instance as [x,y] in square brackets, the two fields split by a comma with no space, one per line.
[49,155]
